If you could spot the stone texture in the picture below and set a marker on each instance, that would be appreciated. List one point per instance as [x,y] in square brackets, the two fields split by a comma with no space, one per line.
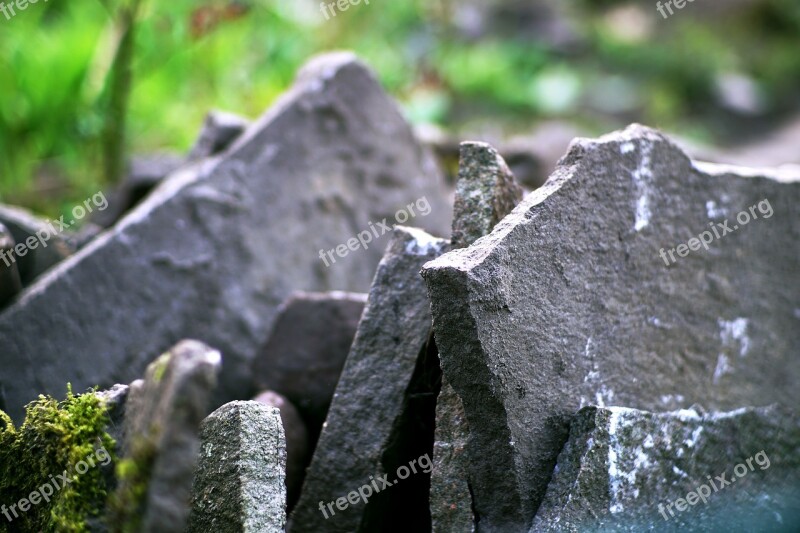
[219,131]
[23,225]
[10,284]
[382,412]
[306,350]
[162,422]
[214,250]
[145,173]
[622,468]
[297,443]
[485,193]
[567,302]
[239,486]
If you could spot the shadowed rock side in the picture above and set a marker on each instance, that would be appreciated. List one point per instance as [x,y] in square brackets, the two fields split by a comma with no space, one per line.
[307,349]
[628,470]
[239,485]
[568,303]
[382,412]
[485,193]
[10,284]
[214,251]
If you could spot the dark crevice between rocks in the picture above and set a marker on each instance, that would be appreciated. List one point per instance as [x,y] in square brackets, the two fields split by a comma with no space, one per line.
[406,505]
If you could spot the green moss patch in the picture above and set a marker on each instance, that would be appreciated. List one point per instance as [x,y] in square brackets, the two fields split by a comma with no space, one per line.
[58,441]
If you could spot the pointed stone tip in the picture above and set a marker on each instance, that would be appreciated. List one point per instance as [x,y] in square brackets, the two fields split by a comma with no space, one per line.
[326,65]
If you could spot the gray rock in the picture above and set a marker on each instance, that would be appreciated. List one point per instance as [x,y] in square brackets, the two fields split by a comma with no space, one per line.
[306,351]
[627,470]
[382,412]
[145,173]
[239,486]
[297,443]
[569,303]
[485,193]
[41,255]
[214,251]
[162,423]
[10,284]
[219,131]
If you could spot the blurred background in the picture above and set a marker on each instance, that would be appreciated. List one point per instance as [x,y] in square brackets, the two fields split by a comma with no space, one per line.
[87,86]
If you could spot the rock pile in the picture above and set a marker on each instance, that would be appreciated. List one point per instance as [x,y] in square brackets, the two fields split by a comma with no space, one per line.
[617,351]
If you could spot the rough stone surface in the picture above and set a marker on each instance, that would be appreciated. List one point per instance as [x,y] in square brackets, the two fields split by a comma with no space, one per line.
[239,485]
[145,172]
[219,131]
[382,412]
[485,193]
[162,423]
[10,284]
[23,225]
[214,250]
[568,303]
[622,468]
[297,443]
[306,351]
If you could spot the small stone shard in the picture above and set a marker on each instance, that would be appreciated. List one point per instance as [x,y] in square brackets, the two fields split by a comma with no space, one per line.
[485,193]
[219,131]
[162,422]
[381,417]
[629,470]
[239,485]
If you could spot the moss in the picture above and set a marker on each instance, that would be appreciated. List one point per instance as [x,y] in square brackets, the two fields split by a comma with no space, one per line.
[133,476]
[55,438]
[159,367]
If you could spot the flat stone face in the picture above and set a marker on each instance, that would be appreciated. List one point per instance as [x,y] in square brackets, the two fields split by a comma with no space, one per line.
[306,350]
[239,486]
[377,420]
[629,470]
[163,413]
[485,193]
[568,303]
[214,251]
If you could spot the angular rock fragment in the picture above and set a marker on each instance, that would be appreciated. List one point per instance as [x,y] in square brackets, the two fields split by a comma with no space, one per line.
[239,485]
[381,417]
[219,131]
[40,254]
[485,193]
[306,351]
[214,250]
[297,444]
[10,284]
[162,422]
[629,470]
[569,302]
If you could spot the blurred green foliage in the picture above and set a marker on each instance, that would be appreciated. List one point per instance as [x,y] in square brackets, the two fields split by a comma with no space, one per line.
[240,55]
